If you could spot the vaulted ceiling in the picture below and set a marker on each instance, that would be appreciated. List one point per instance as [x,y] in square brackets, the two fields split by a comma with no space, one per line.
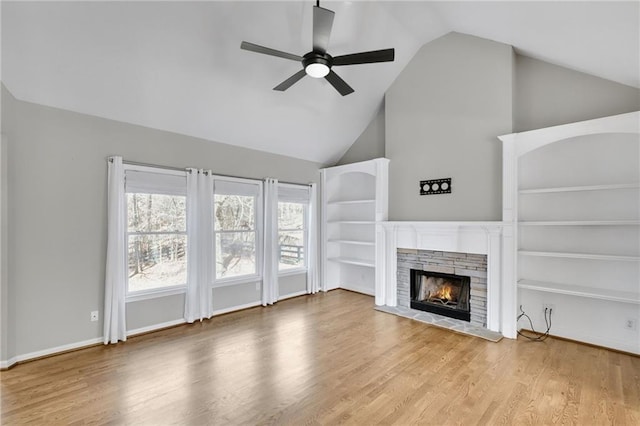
[177,66]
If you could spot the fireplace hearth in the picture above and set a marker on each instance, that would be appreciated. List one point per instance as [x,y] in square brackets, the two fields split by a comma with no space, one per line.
[439,293]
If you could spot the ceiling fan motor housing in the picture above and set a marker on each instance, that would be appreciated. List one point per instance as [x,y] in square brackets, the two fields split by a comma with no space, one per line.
[317,58]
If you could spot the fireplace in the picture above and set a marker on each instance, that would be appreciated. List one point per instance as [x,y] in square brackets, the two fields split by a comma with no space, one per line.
[439,293]
[480,250]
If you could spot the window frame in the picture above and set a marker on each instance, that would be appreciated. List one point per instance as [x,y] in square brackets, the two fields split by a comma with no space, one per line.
[305,240]
[258,213]
[305,231]
[134,296]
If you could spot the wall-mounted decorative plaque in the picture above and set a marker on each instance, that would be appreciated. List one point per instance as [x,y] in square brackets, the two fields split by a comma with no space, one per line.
[435,186]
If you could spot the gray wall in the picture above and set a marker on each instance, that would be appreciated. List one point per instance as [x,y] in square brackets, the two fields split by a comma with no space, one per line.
[547,95]
[443,114]
[370,144]
[57,214]
[288,284]
[543,95]
[433,127]
[7,304]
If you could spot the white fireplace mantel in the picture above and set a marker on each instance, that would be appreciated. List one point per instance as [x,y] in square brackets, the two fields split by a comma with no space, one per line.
[495,239]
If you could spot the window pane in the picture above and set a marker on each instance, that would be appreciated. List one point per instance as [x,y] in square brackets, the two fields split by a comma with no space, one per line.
[157,261]
[291,249]
[235,254]
[234,212]
[290,216]
[156,213]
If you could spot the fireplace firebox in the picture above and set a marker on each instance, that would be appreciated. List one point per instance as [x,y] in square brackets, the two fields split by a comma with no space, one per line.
[443,294]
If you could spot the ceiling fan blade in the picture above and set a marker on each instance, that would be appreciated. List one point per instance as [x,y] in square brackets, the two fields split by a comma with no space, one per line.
[290,81]
[267,51]
[339,84]
[322,23]
[384,55]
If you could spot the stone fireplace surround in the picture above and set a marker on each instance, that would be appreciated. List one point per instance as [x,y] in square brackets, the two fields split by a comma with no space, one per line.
[470,265]
[493,239]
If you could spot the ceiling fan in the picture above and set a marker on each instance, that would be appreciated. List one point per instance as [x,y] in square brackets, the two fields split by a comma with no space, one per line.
[318,62]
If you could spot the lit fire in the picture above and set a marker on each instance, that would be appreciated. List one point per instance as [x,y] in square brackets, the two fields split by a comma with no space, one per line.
[443,293]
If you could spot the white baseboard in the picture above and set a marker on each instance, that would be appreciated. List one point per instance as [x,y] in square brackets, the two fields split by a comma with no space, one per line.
[4,364]
[604,341]
[329,287]
[357,289]
[50,351]
[290,295]
[173,323]
[155,327]
[8,363]
[80,345]
[236,308]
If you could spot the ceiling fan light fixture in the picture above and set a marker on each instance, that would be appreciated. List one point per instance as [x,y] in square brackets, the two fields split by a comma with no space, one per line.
[317,70]
[316,64]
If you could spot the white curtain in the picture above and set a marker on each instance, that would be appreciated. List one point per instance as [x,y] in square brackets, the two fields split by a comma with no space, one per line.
[312,242]
[200,252]
[116,268]
[271,247]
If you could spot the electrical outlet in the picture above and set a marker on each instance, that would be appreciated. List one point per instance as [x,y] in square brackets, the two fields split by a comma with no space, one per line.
[94,316]
[630,324]
[548,307]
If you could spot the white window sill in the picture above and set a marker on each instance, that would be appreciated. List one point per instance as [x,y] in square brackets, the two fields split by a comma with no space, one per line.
[153,294]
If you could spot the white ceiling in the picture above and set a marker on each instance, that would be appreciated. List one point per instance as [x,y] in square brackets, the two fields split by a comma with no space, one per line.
[177,66]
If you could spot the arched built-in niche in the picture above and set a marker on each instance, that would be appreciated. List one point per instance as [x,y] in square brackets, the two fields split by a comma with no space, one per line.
[573,194]
[354,199]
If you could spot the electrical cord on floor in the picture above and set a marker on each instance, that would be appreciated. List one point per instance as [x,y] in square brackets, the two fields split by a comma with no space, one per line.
[540,337]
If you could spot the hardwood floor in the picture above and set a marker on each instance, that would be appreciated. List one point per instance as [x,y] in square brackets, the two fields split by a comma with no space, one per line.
[324,359]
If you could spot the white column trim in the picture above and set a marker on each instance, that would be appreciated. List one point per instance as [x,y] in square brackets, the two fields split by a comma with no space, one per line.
[4,320]
[494,278]
[381,265]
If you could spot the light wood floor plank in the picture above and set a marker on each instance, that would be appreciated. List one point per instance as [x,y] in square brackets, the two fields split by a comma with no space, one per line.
[319,360]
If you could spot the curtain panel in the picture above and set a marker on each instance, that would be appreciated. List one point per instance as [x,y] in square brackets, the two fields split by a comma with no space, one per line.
[271,249]
[312,241]
[116,265]
[200,251]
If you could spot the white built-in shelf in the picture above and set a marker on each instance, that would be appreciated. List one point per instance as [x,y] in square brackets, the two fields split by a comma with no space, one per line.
[353,222]
[581,223]
[342,202]
[353,242]
[353,261]
[354,199]
[582,291]
[580,188]
[579,255]
[572,191]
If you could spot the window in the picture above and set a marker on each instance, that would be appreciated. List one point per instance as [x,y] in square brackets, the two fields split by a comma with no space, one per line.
[235,215]
[157,241]
[156,235]
[293,206]
[291,235]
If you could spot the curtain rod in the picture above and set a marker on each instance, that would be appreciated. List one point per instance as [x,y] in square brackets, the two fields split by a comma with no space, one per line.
[135,163]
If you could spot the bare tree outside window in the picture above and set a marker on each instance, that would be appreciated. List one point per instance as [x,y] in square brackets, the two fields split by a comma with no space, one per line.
[156,240]
[291,231]
[235,235]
